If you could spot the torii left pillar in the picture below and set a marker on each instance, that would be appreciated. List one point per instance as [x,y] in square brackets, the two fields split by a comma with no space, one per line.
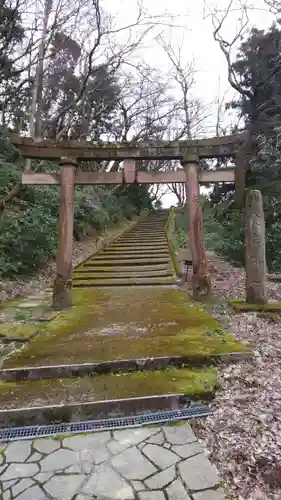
[62,291]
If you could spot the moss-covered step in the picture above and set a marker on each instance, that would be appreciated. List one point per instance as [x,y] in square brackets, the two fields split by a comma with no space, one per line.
[136,249]
[147,234]
[129,281]
[197,383]
[135,273]
[124,256]
[135,253]
[140,245]
[106,262]
[126,323]
[240,305]
[96,268]
[140,241]
[138,236]
[20,332]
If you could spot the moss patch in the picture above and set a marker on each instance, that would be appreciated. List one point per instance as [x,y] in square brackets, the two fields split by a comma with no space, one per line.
[273,315]
[122,323]
[240,305]
[20,331]
[125,385]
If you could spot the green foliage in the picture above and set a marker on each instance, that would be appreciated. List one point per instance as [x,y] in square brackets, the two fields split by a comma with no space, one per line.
[258,71]
[28,226]
[265,176]
[223,230]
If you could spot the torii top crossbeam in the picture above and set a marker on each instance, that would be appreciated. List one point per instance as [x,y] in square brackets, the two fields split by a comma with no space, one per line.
[216,147]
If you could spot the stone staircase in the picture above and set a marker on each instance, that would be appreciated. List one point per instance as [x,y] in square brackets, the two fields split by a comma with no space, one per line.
[140,256]
[132,341]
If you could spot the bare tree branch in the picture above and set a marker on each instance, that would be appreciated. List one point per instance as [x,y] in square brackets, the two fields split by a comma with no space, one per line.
[227,47]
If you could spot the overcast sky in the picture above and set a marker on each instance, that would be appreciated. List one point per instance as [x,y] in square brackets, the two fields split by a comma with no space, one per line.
[198,42]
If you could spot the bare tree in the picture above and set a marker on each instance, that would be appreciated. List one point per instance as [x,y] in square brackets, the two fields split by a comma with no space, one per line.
[274,6]
[102,48]
[228,47]
[189,113]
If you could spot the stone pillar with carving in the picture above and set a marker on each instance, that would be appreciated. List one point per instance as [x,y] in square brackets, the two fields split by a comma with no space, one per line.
[255,255]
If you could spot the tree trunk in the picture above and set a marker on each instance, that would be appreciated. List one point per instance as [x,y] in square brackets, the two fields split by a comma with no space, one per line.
[37,91]
[255,256]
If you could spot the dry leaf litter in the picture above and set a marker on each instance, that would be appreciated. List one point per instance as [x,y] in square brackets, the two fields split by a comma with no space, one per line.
[243,436]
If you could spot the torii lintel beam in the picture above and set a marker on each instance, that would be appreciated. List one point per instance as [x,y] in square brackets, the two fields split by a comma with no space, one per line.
[216,147]
[178,176]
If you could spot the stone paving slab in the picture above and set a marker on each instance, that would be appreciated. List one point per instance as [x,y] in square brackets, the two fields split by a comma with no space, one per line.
[148,463]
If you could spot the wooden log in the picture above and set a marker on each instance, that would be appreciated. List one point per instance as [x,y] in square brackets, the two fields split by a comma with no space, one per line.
[62,291]
[255,255]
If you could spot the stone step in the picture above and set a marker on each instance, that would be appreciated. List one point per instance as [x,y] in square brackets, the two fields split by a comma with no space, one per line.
[132,244]
[134,240]
[151,237]
[196,382]
[121,269]
[107,262]
[133,253]
[151,226]
[134,281]
[148,227]
[135,273]
[135,250]
[140,245]
[146,234]
[153,232]
[146,231]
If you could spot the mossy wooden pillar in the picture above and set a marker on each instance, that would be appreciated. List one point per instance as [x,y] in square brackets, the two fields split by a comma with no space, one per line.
[62,291]
[190,165]
[255,256]
[201,283]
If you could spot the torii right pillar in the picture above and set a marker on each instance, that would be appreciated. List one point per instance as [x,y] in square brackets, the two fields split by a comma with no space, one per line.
[201,281]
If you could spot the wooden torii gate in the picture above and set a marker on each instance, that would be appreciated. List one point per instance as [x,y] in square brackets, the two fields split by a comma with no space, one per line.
[69,153]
